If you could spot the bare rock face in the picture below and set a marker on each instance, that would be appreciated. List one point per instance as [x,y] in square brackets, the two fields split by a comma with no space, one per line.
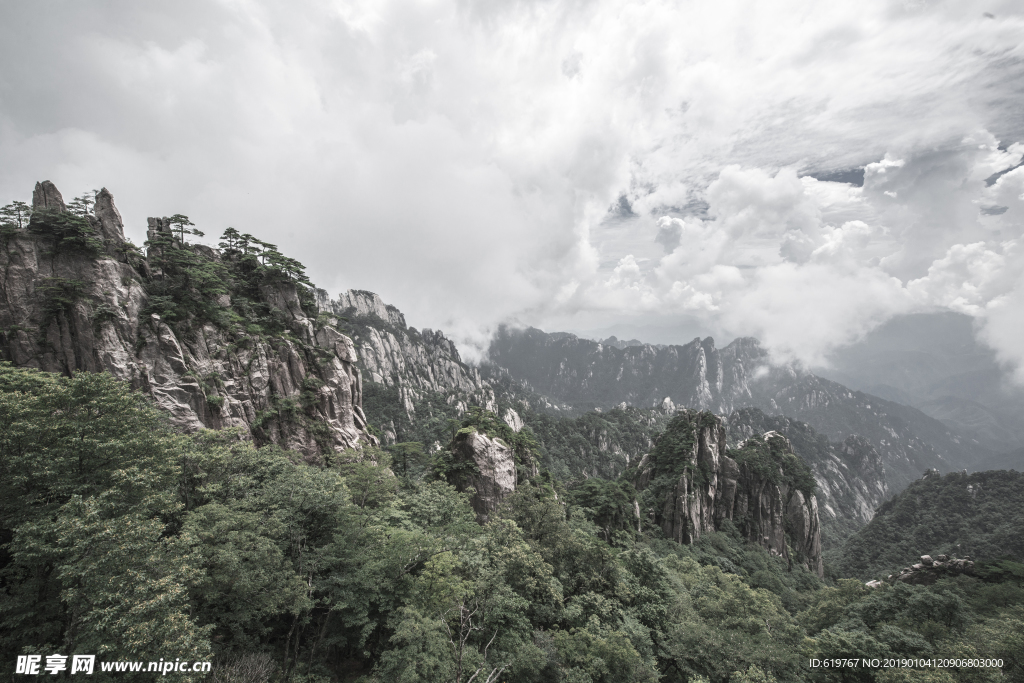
[80,307]
[512,419]
[46,197]
[698,486]
[399,357]
[363,303]
[491,470]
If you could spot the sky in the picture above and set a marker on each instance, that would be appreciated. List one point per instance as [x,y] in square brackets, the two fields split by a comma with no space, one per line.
[797,171]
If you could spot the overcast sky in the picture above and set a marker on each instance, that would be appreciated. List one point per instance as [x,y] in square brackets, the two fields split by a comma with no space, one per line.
[654,169]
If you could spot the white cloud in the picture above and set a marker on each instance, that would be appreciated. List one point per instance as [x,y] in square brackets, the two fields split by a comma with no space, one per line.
[461,158]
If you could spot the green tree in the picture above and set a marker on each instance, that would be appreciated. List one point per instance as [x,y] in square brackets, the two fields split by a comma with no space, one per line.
[183,226]
[406,454]
[87,480]
[82,205]
[16,215]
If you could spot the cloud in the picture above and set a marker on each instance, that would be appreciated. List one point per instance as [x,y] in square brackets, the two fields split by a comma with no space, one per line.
[467,160]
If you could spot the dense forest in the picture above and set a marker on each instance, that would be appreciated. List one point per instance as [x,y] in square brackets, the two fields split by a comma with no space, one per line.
[978,515]
[129,540]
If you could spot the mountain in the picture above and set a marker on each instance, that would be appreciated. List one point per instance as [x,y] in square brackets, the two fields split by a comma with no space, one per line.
[237,338]
[933,362]
[978,515]
[217,339]
[597,408]
[693,484]
[587,374]
[850,475]
[535,538]
[908,441]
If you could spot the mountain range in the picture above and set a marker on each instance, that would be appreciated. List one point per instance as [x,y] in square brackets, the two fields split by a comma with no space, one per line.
[316,370]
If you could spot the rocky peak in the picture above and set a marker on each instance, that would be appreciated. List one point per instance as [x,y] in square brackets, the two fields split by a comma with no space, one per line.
[362,303]
[697,484]
[46,197]
[488,467]
[88,307]
[111,225]
[850,476]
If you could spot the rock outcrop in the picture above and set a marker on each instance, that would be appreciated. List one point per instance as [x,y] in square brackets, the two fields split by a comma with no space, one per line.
[929,570]
[487,465]
[397,356]
[75,296]
[697,486]
[46,197]
[850,475]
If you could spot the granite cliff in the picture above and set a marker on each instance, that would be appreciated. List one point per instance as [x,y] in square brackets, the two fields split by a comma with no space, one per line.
[217,339]
[692,484]
[850,475]
[408,372]
[490,470]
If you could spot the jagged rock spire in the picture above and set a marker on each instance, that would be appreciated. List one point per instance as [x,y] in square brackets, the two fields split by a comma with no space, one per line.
[111,225]
[46,197]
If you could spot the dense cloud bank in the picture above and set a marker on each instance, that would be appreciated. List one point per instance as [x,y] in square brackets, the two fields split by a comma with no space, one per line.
[565,165]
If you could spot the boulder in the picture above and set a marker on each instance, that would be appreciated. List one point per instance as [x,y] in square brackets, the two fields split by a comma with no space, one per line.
[491,471]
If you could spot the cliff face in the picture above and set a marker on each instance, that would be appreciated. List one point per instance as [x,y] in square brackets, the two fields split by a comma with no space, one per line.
[584,372]
[76,296]
[850,475]
[412,362]
[692,486]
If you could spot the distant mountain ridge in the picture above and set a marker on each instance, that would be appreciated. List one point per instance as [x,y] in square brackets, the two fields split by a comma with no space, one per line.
[588,374]
[934,362]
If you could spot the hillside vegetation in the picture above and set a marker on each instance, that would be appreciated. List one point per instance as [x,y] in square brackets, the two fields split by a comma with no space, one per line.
[980,515]
[133,542]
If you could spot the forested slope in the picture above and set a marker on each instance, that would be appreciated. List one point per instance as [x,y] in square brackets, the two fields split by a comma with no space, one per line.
[980,515]
[133,542]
